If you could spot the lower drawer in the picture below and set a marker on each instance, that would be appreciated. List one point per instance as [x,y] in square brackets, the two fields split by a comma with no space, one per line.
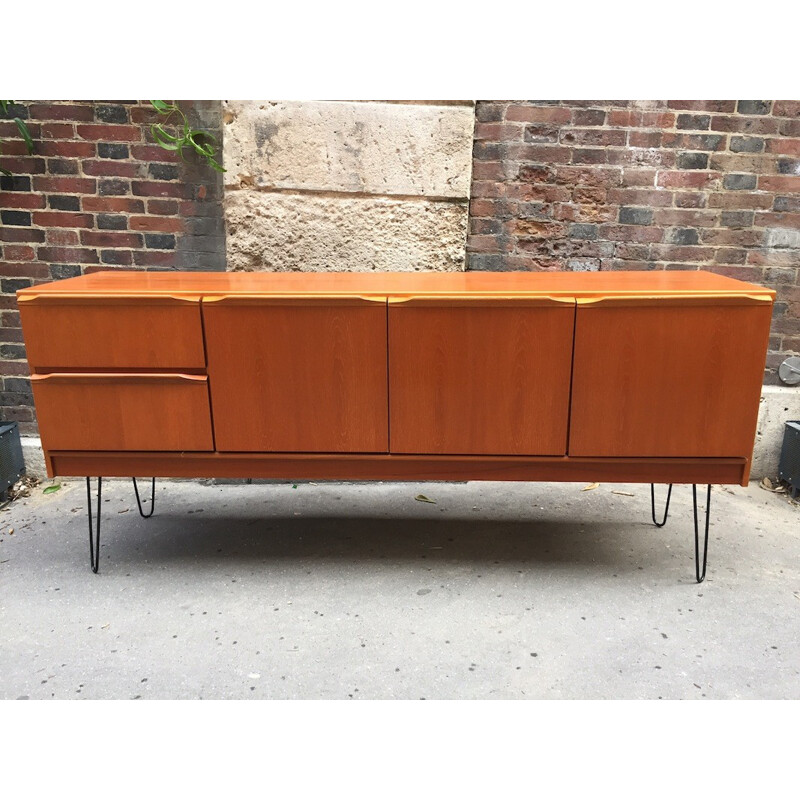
[93,411]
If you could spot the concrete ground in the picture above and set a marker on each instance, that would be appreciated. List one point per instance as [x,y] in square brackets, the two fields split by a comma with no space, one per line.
[496,590]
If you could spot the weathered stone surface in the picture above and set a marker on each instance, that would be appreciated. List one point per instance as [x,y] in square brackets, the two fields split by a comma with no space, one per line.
[282,231]
[368,147]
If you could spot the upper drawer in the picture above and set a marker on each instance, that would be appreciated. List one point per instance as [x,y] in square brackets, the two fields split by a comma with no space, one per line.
[128,332]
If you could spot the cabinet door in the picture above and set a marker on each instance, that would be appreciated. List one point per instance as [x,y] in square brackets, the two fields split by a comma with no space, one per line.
[479,376]
[668,376]
[297,374]
[114,411]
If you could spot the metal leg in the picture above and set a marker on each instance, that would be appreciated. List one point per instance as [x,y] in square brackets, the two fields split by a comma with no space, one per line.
[701,576]
[94,531]
[653,506]
[152,498]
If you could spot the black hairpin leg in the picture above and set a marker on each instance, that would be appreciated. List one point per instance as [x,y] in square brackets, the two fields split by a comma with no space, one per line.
[653,506]
[94,530]
[152,498]
[701,576]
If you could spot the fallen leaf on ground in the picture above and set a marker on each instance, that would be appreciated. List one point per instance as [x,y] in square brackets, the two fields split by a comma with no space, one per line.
[590,487]
[627,494]
[423,499]
[50,489]
[767,484]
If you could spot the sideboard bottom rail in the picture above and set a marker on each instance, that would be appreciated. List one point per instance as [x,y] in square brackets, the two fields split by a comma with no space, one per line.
[356,467]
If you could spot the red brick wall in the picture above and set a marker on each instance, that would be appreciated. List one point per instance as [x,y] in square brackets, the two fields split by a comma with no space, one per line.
[609,184]
[96,194]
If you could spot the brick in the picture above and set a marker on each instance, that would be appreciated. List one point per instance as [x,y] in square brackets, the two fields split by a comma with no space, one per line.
[66,237]
[15,183]
[787,147]
[62,219]
[496,131]
[488,171]
[27,269]
[516,113]
[19,200]
[58,130]
[788,166]
[116,114]
[589,117]
[603,137]
[683,236]
[120,169]
[692,180]
[113,186]
[112,222]
[692,160]
[694,141]
[164,172]
[129,205]
[489,112]
[737,219]
[65,185]
[693,122]
[110,239]
[739,200]
[739,182]
[112,150]
[12,351]
[631,233]
[23,164]
[167,207]
[61,271]
[787,204]
[581,156]
[159,241]
[63,202]
[161,189]
[714,106]
[69,111]
[758,126]
[644,139]
[747,144]
[117,257]
[155,258]
[13,285]
[18,252]
[629,215]
[59,166]
[157,223]
[754,106]
[65,149]
[80,255]
[786,108]
[779,183]
[15,218]
[686,217]
[152,152]
[110,133]
[691,199]
[583,231]
[20,234]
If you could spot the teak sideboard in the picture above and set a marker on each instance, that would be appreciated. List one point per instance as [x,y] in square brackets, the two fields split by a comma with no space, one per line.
[650,377]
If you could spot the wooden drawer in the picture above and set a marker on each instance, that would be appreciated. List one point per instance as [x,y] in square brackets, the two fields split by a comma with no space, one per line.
[118,332]
[113,411]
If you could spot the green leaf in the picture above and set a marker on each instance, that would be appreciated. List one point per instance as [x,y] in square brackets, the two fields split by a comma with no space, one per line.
[50,489]
[4,105]
[23,129]
[162,107]
[423,499]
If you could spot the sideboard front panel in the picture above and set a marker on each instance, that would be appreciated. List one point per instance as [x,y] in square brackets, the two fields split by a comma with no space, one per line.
[300,374]
[667,377]
[480,376]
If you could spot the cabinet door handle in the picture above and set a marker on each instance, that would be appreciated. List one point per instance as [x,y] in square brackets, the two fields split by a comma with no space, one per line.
[672,301]
[117,377]
[294,299]
[467,301]
[51,298]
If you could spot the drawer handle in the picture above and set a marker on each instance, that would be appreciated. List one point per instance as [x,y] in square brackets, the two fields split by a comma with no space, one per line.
[294,299]
[466,300]
[668,300]
[51,298]
[118,377]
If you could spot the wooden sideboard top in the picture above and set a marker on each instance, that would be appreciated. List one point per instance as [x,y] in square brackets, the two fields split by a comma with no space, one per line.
[507,284]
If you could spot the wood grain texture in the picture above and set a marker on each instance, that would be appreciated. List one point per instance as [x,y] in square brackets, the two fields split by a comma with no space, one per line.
[122,333]
[123,412]
[479,376]
[399,468]
[667,379]
[298,376]
[581,284]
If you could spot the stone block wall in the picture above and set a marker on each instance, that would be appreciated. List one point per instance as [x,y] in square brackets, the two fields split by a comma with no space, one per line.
[653,184]
[347,185]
